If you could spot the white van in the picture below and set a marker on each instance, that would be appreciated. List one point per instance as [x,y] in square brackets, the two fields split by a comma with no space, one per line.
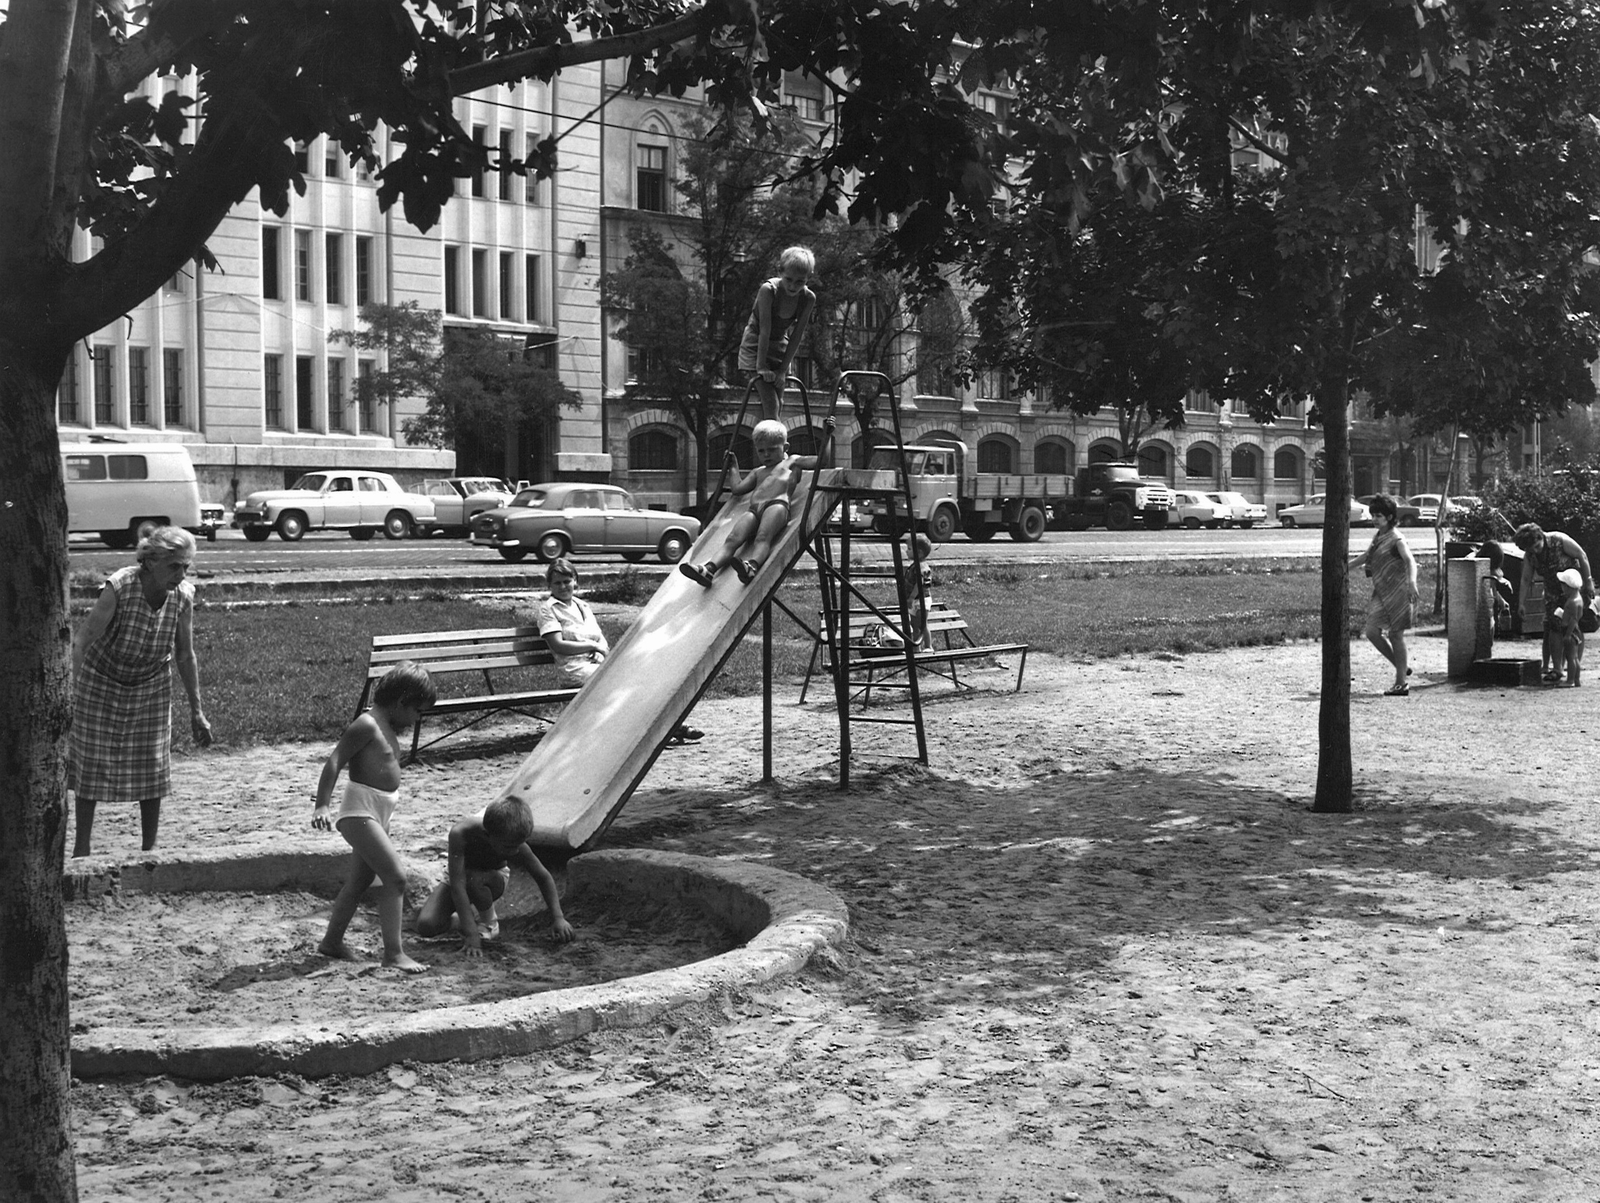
[123,491]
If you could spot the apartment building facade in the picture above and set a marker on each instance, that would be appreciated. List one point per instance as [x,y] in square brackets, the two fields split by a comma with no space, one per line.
[237,364]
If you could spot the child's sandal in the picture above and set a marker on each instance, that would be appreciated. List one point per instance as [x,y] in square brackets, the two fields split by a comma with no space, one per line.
[746,570]
[700,576]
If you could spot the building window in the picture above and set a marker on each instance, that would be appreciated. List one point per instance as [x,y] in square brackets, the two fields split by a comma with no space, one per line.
[508,304]
[647,363]
[272,391]
[506,174]
[304,393]
[1198,461]
[1052,459]
[652,179]
[1153,462]
[363,271]
[178,283]
[105,395]
[994,455]
[138,386]
[271,258]
[336,401]
[480,135]
[530,287]
[993,384]
[172,385]
[530,180]
[332,159]
[1198,401]
[480,283]
[67,391]
[452,280]
[997,106]
[1286,465]
[302,265]
[654,451]
[1246,464]
[367,395]
[735,441]
[333,268]
[302,158]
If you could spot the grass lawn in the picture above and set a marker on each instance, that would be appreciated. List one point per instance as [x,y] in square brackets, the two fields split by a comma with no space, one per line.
[296,670]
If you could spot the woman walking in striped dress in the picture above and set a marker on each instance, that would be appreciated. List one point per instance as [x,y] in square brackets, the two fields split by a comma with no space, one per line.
[123,655]
[1393,569]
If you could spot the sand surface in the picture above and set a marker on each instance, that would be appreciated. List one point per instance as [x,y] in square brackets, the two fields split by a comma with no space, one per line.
[1102,950]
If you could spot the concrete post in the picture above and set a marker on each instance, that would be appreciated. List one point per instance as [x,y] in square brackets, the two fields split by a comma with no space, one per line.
[1464,623]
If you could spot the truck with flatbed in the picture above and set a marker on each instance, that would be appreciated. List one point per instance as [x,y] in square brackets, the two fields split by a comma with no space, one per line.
[947,496]
[1115,496]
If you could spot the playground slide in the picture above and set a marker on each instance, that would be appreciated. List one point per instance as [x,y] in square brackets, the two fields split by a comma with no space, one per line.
[588,763]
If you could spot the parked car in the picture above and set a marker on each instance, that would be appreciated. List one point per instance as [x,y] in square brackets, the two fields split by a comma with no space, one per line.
[1242,513]
[457,498]
[1405,514]
[551,520]
[1313,511]
[211,518]
[1194,510]
[360,502]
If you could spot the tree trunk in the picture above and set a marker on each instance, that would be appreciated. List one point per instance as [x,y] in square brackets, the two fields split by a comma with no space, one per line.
[36,1161]
[1334,775]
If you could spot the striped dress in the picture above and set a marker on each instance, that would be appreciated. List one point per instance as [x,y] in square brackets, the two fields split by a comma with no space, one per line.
[1391,582]
[121,748]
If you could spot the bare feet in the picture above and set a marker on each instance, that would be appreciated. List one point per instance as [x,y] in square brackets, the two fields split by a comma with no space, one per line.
[338,950]
[403,963]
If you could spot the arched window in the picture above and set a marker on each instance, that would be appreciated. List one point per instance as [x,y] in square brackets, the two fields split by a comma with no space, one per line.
[1246,463]
[653,450]
[803,441]
[1198,461]
[1286,464]
[1054,458]
[861,449]
[1104,453]
[994,455]
[1319,465]
[738,441]
[1153,461]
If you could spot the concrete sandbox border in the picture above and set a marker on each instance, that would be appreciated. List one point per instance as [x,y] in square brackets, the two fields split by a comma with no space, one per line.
[782,919]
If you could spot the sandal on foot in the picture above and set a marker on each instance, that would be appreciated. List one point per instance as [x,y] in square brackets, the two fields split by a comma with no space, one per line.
[1551,677]
[1399,691]
[700,576]
[745,570]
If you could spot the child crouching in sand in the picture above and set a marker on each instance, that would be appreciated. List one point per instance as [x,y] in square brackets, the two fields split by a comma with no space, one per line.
[481,852]
[370,746]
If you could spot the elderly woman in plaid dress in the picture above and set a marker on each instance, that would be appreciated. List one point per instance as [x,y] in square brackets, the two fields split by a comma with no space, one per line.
[122,660]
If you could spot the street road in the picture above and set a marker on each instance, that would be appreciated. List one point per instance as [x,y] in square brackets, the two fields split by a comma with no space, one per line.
[338,553]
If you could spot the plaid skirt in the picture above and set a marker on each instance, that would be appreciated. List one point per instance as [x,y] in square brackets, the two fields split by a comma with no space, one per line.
[121,748]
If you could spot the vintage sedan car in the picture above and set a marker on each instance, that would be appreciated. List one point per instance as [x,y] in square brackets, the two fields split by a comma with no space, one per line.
[211,516]
[457,498]
[1313,511]
[358,501]
[1241,512]
[553,520]
[1194,510]
[1405,513]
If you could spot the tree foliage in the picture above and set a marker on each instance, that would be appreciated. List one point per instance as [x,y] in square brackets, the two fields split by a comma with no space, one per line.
[475,384]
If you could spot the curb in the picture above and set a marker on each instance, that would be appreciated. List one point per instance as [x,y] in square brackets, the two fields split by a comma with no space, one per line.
[783,919]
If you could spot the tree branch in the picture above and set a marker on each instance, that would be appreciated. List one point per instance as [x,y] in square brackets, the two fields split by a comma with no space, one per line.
[1248,136]
[547,60]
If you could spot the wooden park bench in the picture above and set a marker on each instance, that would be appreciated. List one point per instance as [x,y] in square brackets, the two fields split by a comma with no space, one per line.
[489,651]
[880,667]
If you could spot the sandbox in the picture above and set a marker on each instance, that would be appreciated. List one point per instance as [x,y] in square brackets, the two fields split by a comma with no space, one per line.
[695,926]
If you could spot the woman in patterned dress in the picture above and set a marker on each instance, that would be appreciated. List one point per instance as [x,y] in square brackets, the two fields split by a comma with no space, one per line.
[141,627]
[1393,569]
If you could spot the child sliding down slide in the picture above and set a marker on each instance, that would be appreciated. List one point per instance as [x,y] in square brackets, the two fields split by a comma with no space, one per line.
[770,491]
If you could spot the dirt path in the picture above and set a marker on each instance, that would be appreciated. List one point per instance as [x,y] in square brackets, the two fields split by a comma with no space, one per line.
[1102,950]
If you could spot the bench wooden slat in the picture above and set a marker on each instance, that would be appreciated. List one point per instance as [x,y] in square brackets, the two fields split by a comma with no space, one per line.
[481,650]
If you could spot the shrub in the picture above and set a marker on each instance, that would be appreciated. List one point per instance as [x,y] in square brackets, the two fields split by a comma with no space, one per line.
[1567,500]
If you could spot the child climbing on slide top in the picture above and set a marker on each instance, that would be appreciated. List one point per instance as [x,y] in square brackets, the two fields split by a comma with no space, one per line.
[770,490]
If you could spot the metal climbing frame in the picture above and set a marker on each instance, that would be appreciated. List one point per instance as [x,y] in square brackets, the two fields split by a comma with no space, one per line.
[839,591]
